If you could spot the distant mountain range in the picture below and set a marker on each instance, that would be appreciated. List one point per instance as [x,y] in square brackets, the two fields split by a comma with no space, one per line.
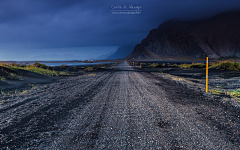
[104,56]
[215,37]
[122,52]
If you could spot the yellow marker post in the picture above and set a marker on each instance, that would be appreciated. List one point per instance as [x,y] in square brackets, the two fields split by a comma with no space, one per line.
[140,65]
[133,63]
[206,74]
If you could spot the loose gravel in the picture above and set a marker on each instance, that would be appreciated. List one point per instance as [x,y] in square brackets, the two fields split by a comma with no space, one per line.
[117,109]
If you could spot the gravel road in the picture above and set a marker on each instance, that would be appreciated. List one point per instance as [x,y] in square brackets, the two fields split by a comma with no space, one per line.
[122,108]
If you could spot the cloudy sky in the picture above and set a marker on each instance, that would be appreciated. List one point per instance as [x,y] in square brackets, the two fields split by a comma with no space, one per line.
[84,29]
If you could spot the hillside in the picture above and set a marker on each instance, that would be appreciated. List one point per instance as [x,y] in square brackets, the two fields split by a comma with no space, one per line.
[122,52]
[216,37]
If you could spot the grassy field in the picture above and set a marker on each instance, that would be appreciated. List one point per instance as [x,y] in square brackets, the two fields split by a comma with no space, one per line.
[223,65]
[232,93]
[18,79]
[37,68]
[47,70]
[226,67]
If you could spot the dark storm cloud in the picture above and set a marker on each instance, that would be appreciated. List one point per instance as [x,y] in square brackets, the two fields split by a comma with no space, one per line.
[13,10]
[74,23]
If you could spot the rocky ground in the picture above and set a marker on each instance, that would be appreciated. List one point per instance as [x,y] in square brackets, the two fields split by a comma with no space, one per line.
[119,108]
[221,84]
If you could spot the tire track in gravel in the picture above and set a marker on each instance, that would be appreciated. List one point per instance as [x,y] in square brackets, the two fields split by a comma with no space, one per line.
[45,99]
[224,118]
[217,127]
[129,123]
[27,100]
[40,93]
[83,128]
[118,125]
[164,125]
[145,87]
[46,118]
[19,104]
[124,109]
[97,126]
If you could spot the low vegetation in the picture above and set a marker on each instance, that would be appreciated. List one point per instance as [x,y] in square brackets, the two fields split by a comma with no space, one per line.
[223,65]
[37,68]
[63,65]
[18,91]
[235,93]
[154,65]
[91,74]
[217,92]
[193,65]
[2,78]
[232,93]
[89,69]
[13,76]
[227,65]
[41,71]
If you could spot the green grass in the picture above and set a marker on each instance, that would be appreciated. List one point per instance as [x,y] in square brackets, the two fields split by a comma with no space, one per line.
[37,68]
[64,73]
[193,65]
[229,66]
[222,65]
[41,71]
[174,65]
[16,91]
[38,65]
[217,92]
[185,65]
[89,69]
[235,93]
[63,65]
[2,78]
[91,74]
[12,76]
[154,65]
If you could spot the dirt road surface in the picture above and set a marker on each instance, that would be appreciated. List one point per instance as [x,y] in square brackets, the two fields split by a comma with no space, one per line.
[122,108]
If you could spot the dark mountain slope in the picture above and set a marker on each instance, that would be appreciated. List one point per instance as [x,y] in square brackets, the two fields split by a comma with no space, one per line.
[122,52]
[216,37]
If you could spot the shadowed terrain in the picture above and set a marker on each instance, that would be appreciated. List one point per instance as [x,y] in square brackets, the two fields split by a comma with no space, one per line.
[119,108]
[216,37]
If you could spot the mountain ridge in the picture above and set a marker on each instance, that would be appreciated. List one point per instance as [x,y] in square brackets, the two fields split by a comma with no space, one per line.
[122,52]
[215,37]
